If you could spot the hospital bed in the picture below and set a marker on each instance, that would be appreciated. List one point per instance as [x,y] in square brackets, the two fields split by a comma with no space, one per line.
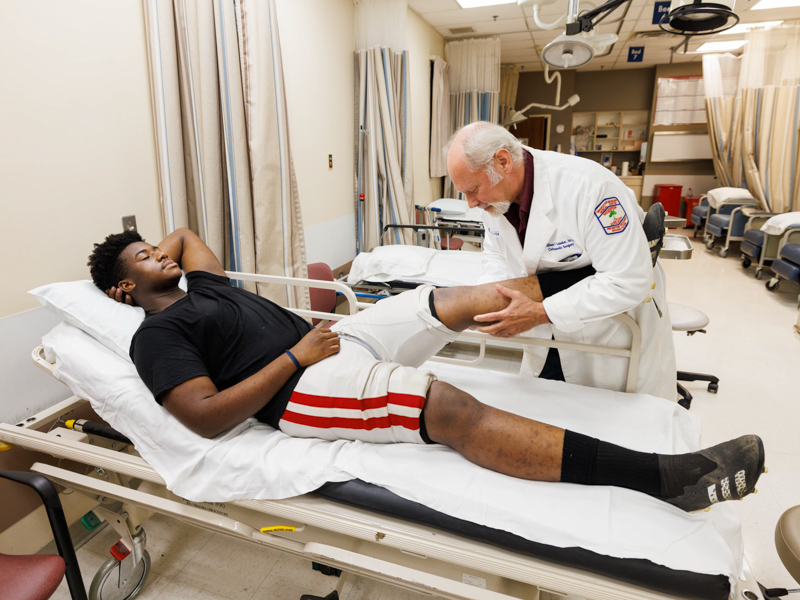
[420,517]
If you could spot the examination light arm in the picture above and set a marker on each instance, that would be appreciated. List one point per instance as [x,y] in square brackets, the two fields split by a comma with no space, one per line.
[571,101]
[585,22]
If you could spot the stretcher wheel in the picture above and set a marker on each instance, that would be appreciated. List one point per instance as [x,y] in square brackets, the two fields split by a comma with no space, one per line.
[746,262]
[107,586]
[759,273]
[773,284]
[710,243]
[723,253]
[713,387]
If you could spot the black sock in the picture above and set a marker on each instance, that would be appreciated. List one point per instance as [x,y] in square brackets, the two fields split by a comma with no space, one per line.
[589,461]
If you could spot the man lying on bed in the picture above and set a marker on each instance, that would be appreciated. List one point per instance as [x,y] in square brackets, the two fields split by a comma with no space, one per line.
[218,354]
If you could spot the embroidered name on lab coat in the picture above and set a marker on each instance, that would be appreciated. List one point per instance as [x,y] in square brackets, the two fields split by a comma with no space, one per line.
[611,215]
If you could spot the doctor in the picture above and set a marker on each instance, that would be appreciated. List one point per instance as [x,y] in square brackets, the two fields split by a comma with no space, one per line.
[546,211]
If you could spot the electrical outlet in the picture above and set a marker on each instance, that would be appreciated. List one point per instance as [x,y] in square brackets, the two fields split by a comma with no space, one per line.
[129,223]
[330,161]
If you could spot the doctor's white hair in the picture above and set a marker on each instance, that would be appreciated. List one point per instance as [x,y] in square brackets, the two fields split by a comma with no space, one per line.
[482,141]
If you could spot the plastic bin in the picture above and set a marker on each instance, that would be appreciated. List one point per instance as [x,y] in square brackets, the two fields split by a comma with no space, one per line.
[669,196]
[689,202]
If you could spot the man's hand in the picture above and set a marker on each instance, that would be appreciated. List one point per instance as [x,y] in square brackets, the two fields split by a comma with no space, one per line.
[315,345]
[521,315]
[117,294]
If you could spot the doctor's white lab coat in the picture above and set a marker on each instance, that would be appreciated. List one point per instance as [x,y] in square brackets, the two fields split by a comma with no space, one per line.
[581,215]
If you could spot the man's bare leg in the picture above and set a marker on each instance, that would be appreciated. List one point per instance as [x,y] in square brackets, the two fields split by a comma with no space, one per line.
[493,438]
[456,307]
[528,449]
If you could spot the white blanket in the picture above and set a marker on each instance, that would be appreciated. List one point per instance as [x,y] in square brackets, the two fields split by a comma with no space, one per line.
[778,224]
[255,461]
[413,263]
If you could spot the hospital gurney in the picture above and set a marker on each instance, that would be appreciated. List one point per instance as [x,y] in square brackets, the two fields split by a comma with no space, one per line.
[703,550]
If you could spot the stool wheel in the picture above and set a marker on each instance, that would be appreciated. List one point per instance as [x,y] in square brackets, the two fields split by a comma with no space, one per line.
[723,253]
[759,273]
[710,243]
[746,262]
[713,387]
[773,284]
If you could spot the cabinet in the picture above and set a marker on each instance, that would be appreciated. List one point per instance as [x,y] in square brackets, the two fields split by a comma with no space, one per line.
[609,131]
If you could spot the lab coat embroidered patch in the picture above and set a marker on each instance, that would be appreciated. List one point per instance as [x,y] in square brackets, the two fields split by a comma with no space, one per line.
[611,215]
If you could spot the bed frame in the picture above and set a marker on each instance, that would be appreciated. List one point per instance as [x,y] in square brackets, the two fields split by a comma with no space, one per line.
[419,557]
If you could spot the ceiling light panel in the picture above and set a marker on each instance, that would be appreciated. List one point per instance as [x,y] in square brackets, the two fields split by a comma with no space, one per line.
[721,46]
[768,4]
[745,27]
[479,3]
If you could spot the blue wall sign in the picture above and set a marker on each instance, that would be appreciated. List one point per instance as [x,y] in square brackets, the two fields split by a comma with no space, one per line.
[635,53]
[660,9]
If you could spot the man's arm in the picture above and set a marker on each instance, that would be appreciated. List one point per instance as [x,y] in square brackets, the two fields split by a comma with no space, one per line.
[190,252]
[202,408]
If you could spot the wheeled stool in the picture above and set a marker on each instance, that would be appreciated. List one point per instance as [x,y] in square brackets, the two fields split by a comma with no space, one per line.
[688,319]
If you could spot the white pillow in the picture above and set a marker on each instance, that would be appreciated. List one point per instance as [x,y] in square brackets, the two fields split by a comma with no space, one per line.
[81,304]
[778,224]
[450,206]
[729,195]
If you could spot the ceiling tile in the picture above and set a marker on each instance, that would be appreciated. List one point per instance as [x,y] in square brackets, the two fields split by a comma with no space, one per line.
[515,37]
[422,7]
[522,44]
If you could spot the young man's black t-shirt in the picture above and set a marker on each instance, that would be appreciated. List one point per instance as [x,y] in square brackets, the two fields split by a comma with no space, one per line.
[219,331]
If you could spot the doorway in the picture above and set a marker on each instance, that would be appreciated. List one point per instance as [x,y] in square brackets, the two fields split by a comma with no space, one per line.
[534,132]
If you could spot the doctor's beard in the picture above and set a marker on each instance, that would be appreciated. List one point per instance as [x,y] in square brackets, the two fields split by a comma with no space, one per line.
[496,209]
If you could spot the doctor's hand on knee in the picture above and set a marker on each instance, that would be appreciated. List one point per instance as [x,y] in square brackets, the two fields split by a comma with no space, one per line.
[521,315]
[315,345]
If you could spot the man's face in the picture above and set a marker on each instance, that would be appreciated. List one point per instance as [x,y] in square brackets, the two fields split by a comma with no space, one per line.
[149,267]
[478,187]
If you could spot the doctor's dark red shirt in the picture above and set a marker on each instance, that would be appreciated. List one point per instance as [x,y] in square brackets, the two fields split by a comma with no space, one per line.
[518,214]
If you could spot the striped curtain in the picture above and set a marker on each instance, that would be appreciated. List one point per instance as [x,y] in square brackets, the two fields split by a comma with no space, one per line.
[440,116]
[219,108]
[474,85]
[384,183]
[754,129]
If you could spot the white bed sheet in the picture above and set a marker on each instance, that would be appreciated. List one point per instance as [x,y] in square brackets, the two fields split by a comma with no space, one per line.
[255,461]
[414,263]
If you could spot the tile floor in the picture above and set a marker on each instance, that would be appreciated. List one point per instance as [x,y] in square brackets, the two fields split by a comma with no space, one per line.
[750,346]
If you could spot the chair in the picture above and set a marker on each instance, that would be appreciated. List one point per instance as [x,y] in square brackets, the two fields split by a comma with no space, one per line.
[728,222]
[321,300]
[699,214]
[787,265]
[787,543]
[690,320]
[36,576]
[757,246]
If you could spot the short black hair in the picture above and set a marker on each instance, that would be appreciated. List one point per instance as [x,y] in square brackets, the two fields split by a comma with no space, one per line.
[104,263]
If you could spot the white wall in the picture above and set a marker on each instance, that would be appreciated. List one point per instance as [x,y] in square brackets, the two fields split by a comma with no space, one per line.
[423,41]
[317,46]
[77,149]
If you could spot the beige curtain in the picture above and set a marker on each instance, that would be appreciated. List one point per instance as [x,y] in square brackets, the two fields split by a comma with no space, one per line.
[769,86]
[509,81]
[219,109]
[724,116]
[440,116]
